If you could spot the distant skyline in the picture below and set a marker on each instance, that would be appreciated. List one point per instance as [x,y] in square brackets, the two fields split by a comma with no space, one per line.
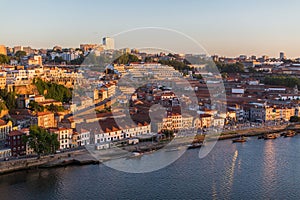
[227,28]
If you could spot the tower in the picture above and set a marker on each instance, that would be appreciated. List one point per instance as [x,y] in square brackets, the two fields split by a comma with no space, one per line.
[109,43]
[282,56]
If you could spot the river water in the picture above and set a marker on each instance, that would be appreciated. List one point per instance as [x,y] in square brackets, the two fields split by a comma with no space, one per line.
[258,169]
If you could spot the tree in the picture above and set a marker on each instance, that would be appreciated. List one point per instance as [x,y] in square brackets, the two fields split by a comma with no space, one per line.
[230,68]
[20,54]
[168,133]
[54,91]
[126,59]
[33,105]
[41,141]
[282,80]
[4,59]
[295,119]
[9,98]
[54,108]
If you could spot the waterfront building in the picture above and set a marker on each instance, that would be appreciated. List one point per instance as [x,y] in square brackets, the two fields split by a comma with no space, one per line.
[64,136]
[5,153]
[110,131]
[5,128]
[15,142]
[83,137]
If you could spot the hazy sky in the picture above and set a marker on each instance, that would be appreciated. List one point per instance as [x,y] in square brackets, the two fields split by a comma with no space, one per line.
[223,27]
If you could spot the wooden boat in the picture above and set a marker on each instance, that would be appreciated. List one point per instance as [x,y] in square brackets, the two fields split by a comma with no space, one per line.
[194,146]
[289,134]
[240,140]
[270,136]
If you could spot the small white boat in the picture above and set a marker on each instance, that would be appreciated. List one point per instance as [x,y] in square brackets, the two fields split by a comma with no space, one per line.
[136,154]
[172,149]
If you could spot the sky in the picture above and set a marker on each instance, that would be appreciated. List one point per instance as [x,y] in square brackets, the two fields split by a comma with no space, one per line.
[223,27]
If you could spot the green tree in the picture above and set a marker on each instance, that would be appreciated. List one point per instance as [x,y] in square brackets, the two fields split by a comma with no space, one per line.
[230,68]
[53,91]
[54,108]
[295,119]
[168,133]
[282,81]
[9,98]
[4,59]
[41,141]
[33,105]
[126,59]
[20,54]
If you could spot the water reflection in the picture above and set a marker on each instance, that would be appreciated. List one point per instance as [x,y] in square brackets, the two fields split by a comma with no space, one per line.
[269,167]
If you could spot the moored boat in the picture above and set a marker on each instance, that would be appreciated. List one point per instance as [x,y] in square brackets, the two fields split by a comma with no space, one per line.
[270,136]
[240,140]
[194,146]
[289,134]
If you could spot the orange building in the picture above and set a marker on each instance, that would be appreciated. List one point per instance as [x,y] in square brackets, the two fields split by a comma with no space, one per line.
[3,50]
[45,119]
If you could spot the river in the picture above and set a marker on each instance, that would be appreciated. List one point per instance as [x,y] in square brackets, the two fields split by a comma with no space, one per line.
[258,169]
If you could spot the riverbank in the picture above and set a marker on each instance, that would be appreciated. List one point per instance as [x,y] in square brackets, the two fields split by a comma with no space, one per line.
[85,157]
[79,157]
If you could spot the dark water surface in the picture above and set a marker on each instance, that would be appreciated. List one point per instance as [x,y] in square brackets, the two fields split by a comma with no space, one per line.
[257,169]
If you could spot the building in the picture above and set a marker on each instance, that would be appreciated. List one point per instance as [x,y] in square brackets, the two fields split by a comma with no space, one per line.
[2,82]
[5,153]
[35,61]
[64,136]
[5,128]
[204,121]
[3,50]
[17,48]
[16,144]
[111,132]
[83,137]
[282,56]
[109,43]
[44,119]
[88,47]
[110,88]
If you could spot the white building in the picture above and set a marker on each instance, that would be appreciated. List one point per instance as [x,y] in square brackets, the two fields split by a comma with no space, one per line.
[109,43]
[84,137]
[114,134]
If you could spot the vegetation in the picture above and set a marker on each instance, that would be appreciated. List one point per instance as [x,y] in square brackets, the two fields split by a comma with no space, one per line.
[295,119]
[282,81]
[230,68]
[53,90]
[4,59]
[54,108]
[168,133]
[20,54]
[33,105]
[126,59]
[197,76]
[2,106]
[41,141]
[9,98]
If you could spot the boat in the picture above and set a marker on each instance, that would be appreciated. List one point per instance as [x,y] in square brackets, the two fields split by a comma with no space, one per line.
[136,154]
[270,136]
[240,140]
[172,149]
[289,134]
[194,145]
